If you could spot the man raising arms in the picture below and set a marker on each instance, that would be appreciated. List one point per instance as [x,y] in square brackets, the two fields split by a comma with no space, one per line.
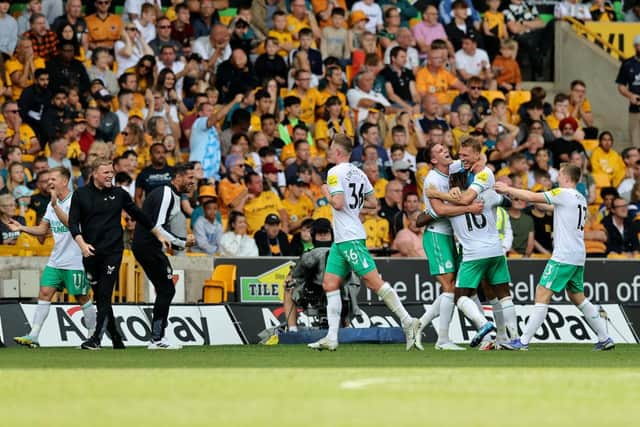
[64,268]
[565,269]
[349,193]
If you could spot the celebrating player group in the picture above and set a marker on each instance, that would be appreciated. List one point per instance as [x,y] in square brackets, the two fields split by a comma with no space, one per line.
[467,212]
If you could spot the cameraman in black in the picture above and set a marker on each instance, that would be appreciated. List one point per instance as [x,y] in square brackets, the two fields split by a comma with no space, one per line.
[303,287]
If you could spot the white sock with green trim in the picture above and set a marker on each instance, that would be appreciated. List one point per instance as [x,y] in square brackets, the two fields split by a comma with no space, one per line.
[42,311]
[432,312]
[393,303]
[594,320]
[334,309]
[470,309]
[535,321]
[89,311]
[446,313]
[509,315]
[476,301]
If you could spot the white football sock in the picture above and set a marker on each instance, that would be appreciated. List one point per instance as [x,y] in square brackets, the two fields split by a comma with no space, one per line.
[470,309]
[535,321]
[446,313]
[476,301]
[89,311]
[432,312]
[594,320]
[498,317]
[42,311]
[509,316]
[390,298]
[334,308]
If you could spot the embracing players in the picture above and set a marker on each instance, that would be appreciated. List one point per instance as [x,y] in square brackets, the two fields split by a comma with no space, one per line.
[565,269]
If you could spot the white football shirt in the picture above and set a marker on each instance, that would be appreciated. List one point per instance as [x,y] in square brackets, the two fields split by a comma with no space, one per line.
[66,254]
[478,234]
[569,217]
[441,182]
[353,183]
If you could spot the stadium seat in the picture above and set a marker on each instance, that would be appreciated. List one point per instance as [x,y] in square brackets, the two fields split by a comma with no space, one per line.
[227,274]
[618,256]
[516,99]
[540,256]
[514,255]
[451,95]
[214,292]
[492,94]
[590,144]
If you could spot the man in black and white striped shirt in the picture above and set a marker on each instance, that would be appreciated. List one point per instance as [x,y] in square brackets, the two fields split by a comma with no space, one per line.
[162,206]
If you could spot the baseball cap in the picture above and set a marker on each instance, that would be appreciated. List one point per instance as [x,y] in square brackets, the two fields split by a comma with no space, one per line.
[399,165]
[321,225]
[207,191]
[295,180]
[272,219]
[357,16]
[22,191]
[269,168]
[136,112]
[103,95]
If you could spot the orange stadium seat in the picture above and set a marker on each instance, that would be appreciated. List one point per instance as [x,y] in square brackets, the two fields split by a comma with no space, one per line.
[492,94]
[516,99]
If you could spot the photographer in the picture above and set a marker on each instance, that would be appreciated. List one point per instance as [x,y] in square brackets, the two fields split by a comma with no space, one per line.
[303,287]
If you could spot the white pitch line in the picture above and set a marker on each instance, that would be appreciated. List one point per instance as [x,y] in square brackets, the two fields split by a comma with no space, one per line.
[374,381]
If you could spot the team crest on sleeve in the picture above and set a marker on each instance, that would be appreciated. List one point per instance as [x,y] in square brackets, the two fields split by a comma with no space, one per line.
[483,176]
[332,180]
[556,191]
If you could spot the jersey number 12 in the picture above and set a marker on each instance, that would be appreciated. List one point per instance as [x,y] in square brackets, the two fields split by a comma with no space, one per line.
[582,216]
[357,196]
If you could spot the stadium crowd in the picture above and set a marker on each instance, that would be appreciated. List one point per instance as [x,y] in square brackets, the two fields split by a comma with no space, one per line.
[254,95]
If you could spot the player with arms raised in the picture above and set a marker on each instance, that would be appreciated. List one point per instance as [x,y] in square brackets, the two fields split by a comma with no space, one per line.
[349,192]
[565,269]
[64,268]
[482,254]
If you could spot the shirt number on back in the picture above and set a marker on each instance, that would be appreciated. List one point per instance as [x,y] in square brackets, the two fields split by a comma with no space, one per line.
[479,221]
[582,216]
[357,196]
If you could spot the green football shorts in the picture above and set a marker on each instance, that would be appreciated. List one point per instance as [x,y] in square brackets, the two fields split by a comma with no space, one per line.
[345,257]
[441,251]
[493,269]
[74,280]
[558,276]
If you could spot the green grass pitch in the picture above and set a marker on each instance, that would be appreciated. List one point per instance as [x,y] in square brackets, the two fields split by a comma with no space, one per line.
[288,385]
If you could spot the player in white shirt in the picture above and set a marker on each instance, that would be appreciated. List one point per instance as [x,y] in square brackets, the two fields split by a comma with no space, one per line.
[482,255]
[439,244]
[350,193]
[64,268]
[565,269]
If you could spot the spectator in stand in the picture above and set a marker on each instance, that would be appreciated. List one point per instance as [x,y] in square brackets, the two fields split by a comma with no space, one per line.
[64,70]
[400,84]
[586,186]
[130,49]
[157,174]
[163,37]
[8,212]
[181,29]
[270,65]
[214,48]
[34,99]
[602,11]
[562,147]
[208,231]
[260,203]
[480,106]
[206,18]
[33,6]
[494,28]
[104,28]
[373,12]
[336,39]
[44,41]
[404,40]
[391,203]
[506,68]
[434,79]
[472,61]
[605,160]
[236,242]
[572,9]
[388,34]
[631,159]
[362,97]
[313,56]
[525,25]
[522,226]
[8,29]
[579,106]
[235,76]
[447,12]
[297,204]
[271,239]
[622,232]
[542,230]
[410,206]
[408,241]
[462,25]
[628,88]
[370,169]
[376,228]
[428,30]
